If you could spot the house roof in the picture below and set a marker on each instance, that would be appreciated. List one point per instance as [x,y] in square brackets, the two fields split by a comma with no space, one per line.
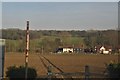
[105,46]
[102,47]
[118,47]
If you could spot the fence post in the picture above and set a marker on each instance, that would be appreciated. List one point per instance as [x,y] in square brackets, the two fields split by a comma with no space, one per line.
[87,73]
[49,70]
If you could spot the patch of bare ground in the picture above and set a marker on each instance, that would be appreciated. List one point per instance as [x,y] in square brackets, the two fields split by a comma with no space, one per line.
[67,63]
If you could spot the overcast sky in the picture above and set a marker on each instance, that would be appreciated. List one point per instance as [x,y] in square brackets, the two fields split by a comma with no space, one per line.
[60,15]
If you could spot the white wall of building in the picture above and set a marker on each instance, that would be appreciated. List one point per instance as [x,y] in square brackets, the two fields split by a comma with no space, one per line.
[67,50]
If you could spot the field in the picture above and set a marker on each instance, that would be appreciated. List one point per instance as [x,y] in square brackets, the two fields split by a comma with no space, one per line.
[35,44]
[65,63]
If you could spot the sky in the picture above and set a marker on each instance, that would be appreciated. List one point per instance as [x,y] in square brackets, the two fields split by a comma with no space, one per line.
[60,15]
[59,0]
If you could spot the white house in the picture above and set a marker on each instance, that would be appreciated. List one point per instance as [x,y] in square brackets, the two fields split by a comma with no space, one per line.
[68,50]
[103,50]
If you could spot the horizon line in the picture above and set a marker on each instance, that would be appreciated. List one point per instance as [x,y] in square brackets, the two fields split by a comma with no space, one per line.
[61,29]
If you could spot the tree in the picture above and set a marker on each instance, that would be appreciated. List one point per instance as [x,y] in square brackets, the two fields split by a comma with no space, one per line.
[99,39]
[113,70]
[21,47]
[47,45]
[58,42]
[15,73]
[88,41]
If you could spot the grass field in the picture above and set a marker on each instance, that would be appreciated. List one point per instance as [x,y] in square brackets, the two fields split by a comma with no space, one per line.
[15,45]
[67,63]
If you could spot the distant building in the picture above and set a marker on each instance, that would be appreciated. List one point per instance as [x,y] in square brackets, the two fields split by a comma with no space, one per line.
[68,50]
[118,48]
[59,50]
[106,49]
[102,49]
[77,50]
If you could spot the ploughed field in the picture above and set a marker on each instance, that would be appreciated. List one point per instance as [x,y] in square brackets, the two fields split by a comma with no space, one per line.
[61,63]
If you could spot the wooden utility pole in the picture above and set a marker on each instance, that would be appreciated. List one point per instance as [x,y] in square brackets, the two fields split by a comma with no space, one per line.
[27,50]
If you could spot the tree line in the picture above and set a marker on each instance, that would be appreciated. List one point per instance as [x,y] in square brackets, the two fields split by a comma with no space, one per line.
[43,39]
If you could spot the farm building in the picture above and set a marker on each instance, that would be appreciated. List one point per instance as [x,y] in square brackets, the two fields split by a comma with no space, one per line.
[59,50]
[64,50]
[118,48]
[68,50]
[102,49]
[105,49]
[97,49]
[77,50]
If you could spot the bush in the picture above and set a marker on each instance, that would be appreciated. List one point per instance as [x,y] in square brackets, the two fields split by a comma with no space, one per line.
[113,70]
[14,73]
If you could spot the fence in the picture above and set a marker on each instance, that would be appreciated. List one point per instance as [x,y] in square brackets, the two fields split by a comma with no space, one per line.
[87,74]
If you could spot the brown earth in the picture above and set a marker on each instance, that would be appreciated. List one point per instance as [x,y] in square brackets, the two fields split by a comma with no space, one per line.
[67,63]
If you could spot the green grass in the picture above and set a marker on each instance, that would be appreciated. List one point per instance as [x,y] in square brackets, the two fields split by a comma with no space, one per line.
[13,45]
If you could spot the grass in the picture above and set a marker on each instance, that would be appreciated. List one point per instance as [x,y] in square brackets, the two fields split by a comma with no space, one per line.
[18,45]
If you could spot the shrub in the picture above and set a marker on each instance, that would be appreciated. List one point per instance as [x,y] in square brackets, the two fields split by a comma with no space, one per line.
[113,70]
[14,73]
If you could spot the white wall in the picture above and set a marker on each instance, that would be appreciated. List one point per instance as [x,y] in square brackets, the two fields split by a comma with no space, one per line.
[67,49]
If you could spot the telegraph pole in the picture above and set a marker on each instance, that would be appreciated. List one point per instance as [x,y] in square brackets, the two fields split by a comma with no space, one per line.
[27,50]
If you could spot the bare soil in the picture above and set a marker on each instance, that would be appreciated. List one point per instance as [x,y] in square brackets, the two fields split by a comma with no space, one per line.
[68,63]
